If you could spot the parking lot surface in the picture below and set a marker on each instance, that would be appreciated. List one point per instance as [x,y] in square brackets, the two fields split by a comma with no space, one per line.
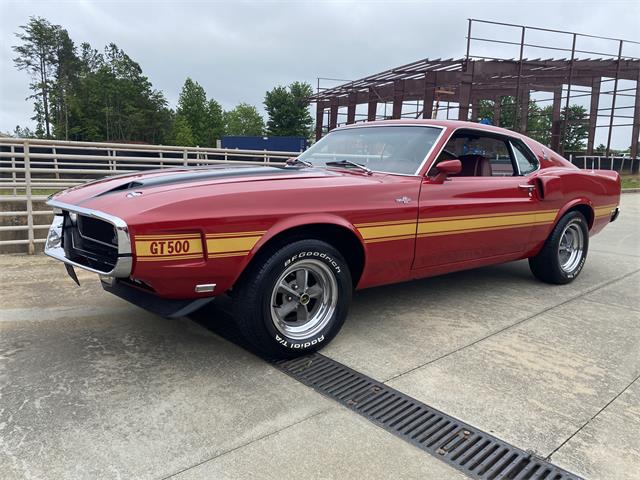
[93,387]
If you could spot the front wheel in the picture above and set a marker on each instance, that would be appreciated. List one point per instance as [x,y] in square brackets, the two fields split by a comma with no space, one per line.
[564,252]
[294,300]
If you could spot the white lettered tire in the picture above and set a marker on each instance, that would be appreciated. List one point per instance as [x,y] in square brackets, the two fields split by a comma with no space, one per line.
[293,300]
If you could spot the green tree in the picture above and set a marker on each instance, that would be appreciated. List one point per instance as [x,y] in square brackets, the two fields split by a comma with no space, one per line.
[288,110]
[37,55]
[113,100]
[193,108]
[539,121]
[577,129]
[66,71]
[204,117]
[215,126]
[244,119]
[181,133]
[25,132]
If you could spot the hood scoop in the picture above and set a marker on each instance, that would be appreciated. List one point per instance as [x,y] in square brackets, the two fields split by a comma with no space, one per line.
[124,186]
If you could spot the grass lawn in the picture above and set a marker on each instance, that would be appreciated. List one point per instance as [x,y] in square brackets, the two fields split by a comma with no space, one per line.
[35,191]
[630,181]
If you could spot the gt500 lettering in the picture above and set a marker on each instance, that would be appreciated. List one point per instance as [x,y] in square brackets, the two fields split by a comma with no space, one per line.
[169,247]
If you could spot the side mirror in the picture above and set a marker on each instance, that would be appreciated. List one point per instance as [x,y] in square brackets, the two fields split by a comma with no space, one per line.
[446,168]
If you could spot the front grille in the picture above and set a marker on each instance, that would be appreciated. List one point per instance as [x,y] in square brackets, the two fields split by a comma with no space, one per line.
[90,241]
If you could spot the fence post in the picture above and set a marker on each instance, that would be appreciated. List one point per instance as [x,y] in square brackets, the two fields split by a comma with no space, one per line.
[55,163]
[27,181]
[161,162]
[185,161]
[14,177]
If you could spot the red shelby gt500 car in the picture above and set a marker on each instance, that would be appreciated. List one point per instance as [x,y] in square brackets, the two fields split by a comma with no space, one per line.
[368,204]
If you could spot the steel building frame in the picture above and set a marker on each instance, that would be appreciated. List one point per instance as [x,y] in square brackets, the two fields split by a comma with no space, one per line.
[416,90]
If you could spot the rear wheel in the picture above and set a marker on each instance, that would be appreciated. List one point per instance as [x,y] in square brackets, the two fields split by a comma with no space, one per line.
[293,300]
[563,255]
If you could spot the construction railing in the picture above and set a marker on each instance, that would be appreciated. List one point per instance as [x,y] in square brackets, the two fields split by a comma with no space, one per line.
[600,162]
[32,169]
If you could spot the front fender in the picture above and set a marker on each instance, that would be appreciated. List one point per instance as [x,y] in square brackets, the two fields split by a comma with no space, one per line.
[289,223]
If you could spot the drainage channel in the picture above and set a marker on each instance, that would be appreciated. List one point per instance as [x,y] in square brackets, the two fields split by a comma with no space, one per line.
[472,451]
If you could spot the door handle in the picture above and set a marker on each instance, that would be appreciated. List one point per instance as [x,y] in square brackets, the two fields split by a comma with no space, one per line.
[528,187]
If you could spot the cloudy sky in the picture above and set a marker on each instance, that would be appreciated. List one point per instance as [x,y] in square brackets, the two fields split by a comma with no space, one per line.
[237,50]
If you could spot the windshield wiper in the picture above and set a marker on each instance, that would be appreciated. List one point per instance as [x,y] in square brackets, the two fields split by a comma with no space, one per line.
[344,163]
[297,161]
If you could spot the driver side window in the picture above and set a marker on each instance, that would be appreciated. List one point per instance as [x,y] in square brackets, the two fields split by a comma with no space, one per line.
[481,155]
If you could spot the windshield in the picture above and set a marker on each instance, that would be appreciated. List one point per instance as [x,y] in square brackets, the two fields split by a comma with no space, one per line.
[393,149]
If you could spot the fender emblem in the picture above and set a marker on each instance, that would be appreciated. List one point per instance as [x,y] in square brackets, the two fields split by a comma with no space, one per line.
[403,200]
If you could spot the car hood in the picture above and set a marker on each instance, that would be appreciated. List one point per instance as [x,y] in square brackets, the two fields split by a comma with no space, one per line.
[114,194]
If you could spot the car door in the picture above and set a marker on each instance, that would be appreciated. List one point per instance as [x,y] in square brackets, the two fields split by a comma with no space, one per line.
[487,211]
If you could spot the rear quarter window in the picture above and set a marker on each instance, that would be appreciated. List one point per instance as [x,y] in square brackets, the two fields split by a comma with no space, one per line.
[526,160]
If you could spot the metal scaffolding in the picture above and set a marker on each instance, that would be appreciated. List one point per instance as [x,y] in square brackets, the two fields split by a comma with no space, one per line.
[437,88]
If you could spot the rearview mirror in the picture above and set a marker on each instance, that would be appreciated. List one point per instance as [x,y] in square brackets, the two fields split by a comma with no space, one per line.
[446,168]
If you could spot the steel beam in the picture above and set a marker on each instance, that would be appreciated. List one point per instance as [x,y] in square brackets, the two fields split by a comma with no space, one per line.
[398,98]
[372,105]
[593,113]
[429,94]
[351,108]
[333,115]
[497,109]
[319,119]
[556,123]
[635,130]
[464,96]
[523,109]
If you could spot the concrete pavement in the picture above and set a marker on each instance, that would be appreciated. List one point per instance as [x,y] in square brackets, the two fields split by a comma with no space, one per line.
[91,386]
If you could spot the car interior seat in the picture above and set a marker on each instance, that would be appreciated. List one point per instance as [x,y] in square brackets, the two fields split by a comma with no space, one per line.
[475,166]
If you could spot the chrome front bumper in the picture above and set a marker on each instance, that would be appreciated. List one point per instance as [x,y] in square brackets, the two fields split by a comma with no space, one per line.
[615,214]
[54,246]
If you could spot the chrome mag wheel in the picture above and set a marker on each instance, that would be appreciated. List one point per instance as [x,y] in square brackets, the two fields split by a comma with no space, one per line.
[571,247]
[304,299]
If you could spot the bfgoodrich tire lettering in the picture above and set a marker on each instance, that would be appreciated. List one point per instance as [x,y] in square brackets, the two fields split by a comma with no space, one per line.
[293,300]
[565,251]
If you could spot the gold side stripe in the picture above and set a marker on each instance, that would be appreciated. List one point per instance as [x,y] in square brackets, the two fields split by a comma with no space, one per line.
[229,254]
[388,239]
[169,258]
[235,234]
[481,229]
[184,236]
[473,223]
[388,231]
[492,215]
[226,245]
[382,224]
[605,209]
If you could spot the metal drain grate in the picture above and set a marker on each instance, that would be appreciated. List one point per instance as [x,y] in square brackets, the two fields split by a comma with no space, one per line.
[474,452]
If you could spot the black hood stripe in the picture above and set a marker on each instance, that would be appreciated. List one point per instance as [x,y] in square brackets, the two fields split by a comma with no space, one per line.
[215,173]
